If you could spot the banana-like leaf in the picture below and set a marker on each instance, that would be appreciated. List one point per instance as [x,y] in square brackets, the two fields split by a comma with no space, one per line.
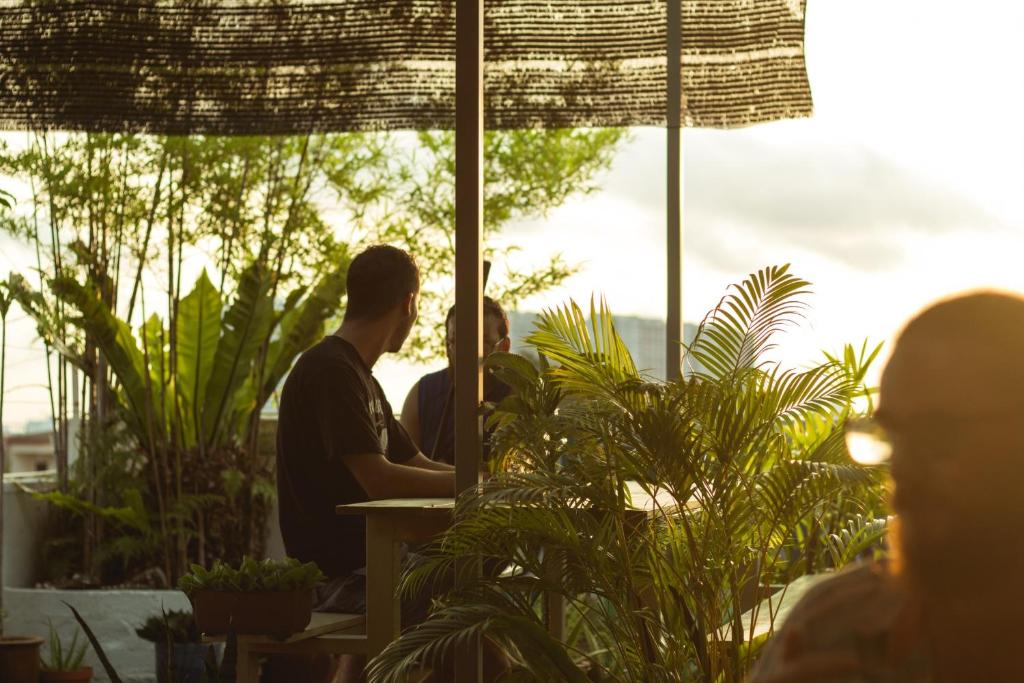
[301,327]
[161,385]
[245,328]
[198,331]
[116,342]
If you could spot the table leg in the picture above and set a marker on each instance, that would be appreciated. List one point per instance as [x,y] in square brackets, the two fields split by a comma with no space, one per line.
[554,602]
[247,665]
[383,621]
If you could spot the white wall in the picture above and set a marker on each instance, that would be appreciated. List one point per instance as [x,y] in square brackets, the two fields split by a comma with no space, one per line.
[24,525]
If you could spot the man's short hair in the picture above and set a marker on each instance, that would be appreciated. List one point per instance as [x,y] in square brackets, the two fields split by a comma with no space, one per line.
[379,278]
[491,307]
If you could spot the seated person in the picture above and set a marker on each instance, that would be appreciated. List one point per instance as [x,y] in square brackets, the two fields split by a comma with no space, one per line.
[337,439]
[947,606]
[338,442]
[428,413]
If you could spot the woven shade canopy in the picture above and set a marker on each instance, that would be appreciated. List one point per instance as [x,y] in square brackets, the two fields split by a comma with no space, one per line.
[295,66]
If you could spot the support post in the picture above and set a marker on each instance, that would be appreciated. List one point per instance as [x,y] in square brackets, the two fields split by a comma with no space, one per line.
[674,194]
[469,191]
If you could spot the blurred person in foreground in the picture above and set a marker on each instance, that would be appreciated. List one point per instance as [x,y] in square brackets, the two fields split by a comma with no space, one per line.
[428,413]
[948,605]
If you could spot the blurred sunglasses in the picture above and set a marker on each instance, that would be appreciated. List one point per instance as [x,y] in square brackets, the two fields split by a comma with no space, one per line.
[867,441]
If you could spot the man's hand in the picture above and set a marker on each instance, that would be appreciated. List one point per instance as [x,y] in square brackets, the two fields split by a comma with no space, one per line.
[380,478]
[425,463]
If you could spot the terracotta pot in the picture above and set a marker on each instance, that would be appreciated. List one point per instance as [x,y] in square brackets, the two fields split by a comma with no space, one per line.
[277,613]
[82,675]
[19,659]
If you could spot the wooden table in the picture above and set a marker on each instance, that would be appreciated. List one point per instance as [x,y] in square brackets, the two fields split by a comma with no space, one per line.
[389,522]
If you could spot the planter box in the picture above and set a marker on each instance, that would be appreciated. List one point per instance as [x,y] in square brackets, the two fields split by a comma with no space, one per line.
[112,614]
[278,613]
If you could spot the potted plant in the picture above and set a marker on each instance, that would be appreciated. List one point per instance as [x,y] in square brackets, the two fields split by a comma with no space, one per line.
[268,597]
[64,664]
[178,646]
[19,658]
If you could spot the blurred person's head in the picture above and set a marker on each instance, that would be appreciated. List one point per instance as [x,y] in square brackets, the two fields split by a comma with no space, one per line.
[383,285]
[496,330]
[952,402]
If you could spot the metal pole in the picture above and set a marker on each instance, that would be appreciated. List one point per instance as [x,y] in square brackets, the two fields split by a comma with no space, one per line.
[469,194]
[674,194]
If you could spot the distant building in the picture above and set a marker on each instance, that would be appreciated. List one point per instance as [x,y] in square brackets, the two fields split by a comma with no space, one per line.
[645,338]
[30,452]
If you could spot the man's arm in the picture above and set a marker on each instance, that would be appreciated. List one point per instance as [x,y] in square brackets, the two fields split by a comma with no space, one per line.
[381,478]
[423,462]
[410,417]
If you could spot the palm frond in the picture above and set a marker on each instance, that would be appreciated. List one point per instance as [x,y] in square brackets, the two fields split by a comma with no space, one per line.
[738,332]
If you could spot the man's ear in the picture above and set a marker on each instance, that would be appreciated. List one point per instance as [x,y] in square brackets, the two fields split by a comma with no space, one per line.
[410,303]
[505,345]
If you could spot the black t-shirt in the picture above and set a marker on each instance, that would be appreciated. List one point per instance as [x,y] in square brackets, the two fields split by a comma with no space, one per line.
[331,407]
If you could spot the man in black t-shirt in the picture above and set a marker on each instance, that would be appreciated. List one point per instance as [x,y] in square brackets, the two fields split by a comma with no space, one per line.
[337,439]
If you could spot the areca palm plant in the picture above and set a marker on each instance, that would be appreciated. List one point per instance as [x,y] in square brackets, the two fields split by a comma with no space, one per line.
[745,460]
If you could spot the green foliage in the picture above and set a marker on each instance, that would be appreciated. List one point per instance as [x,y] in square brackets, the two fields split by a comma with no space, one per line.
[252,575]
[183,369]
[745,459]
[108,668]
[215,671]
[176,626]
[527,173]
[63,657]
[193,422]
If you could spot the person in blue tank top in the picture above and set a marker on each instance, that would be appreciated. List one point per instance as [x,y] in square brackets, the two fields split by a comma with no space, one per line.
[428,413]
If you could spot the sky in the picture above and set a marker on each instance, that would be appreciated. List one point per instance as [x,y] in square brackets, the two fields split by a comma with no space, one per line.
[905,186]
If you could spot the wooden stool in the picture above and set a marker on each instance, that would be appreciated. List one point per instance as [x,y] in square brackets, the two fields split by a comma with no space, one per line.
[326,633]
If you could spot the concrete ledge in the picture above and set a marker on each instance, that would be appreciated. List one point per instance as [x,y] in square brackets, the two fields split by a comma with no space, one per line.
[25,520]
[112,614]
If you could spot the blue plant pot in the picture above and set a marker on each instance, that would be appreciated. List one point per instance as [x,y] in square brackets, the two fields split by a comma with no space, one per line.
[189,662]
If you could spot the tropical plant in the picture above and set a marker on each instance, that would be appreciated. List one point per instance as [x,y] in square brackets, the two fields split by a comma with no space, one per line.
[223,670]
[746,458]
[115,220]
[252,576]
[64,658]
[189,394]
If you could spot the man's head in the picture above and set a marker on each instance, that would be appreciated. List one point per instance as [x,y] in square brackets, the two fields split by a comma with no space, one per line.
[952,401]
[383,285]
[496,329]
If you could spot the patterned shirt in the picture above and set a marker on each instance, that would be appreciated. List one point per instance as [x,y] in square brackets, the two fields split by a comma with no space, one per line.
[863,610]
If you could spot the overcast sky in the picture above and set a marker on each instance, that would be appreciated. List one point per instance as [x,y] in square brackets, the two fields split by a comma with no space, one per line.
[904,186]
